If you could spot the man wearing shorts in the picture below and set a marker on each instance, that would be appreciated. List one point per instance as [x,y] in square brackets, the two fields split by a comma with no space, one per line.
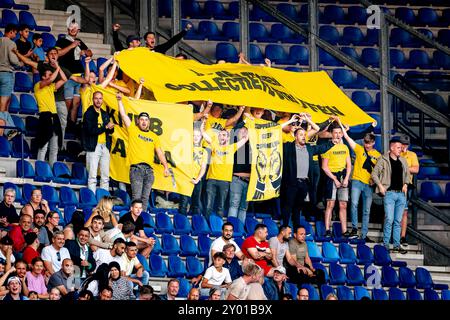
[337,166]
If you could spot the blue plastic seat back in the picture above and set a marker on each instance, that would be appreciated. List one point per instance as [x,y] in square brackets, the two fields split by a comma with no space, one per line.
[292,289]
[158,267]
[191,8]
[280,31]
[61,170]
[50,194]
[27,18]
[406,278]
[313,294]
[423,278]
[28,103]
[352,35]
[413,294]
[22,82]
[215,223]
[27,171]
[68,213]
[170,245]
[48,41]
[181,224]
[357,14]
[204,244]
[250,224]
[427,17]
[255,54]
[208,28]
[231,30]
[188,246]
[431,191]
[329,252]
[289,10]
[226,51]
[157,248]
[148,220]
[10,185]
[87,197]
[67,196]
[405,14]
[430,294]
[8,17]
[445,295]
[342,77]
[194,267]
[176,267]
[318,265]
[354,275]
[43,171]
[163,223]
[419,58]
[346,254]
[79,172]
[238,227]
[326,290]
[337,274]
[381,255]
[27,189]
[379,294]
[199,225]
[299,54]
[314,252]
[361,292]
[320,232]
[124,196]
[396,294]
[272,227]
[345,293]
[100,193]
[329,34]
[185,287]
[370,57]
[389,277]
[275,52]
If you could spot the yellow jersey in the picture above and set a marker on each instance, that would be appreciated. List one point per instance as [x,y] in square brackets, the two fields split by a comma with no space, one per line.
[141,145]
[411,159]
[222,160]
[102,137]
[287,136]
[359,173]
[45,97]
[337,156]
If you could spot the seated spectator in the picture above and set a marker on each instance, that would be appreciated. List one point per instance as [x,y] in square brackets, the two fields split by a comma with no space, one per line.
[14,286]
[239,288]
[255,289]
[54,294]
[226,238]
[214,294]
[52,223]
[303,294]
[103,209]
[17,233]
[299,268]
[279,245]
[39,228]
[147,293]
[33,295]
[331,296]
[275,288]
[287,296]
[31,251]
[8,213]
[35,278]
[6,254]
[122,289]
[123,231]
[173,286]
[85,295]
[54,254]
[131,263]
[232,262]
[144,243]
[21,272]
[257,248]
[106,293]
[216,276]
[64,280]
[114,254]
[81,253]
[194,294]
[97,237]
[100,279]
[36,202]
[38,51]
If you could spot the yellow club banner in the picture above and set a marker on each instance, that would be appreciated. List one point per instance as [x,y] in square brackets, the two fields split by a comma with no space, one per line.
[267,160]
[172,123]
[174,80]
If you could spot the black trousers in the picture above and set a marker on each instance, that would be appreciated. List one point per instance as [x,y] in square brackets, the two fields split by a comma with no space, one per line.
[294,202]
[300,278]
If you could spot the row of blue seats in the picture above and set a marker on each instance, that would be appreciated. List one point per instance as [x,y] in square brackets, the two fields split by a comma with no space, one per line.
[25,17]
[11,4]
[431,191]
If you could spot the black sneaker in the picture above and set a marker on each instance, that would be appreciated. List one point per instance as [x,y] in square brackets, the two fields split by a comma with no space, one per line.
[368,240]
[11,134]
[328,234]
[353,234]
[403,243]
[346,234]
[399,250]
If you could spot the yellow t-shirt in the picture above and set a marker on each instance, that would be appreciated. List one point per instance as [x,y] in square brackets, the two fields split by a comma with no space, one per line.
[141,145]
[287,137]
[222,160]
[86,98]
[101,137]
[200,158]
[359,173]
[212,127]
[45,97]
[411,159]
[337,156]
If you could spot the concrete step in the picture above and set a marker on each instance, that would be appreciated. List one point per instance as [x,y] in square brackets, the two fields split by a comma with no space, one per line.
[34,4]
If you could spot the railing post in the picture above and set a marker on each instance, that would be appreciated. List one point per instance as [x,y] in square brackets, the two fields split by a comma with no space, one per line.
[153,16]
[143,17]
[107,22]
[384,82]
[313,32]
[176,23]
[244,35]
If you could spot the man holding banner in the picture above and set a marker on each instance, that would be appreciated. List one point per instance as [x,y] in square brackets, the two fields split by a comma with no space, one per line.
[142,146]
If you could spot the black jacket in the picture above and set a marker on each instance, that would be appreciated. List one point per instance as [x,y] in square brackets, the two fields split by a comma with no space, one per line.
[161,48]
[290,160]
[91,131]
[74,250]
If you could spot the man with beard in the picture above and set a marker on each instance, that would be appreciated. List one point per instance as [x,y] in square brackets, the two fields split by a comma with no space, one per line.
[114,254]
[226,238]
[38,227]
[279,245]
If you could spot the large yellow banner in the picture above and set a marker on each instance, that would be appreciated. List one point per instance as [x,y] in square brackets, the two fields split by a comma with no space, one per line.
[172,123]
[173,80]
[267,160]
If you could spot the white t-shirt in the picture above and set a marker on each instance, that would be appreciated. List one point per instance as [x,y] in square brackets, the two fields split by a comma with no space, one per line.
[239,289]
[217,245]
[49,254]
[104,256]
[2,256]
[217,278]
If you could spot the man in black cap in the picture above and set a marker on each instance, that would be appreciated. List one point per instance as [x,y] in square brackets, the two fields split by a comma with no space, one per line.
[142,146]
[133,41]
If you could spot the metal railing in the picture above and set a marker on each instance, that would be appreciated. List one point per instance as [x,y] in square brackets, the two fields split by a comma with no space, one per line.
[22,138]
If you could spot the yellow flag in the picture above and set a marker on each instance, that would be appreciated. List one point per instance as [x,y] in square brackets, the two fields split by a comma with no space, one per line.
[173,80]
[172,123]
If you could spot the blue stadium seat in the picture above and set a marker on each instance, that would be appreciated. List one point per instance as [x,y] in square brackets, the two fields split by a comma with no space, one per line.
[398,59]
[27,171]
[43,172]
[61,172]
[406,278]
[314,252]
[318,265]
[14,105]
[277,54]
[163,223]
[10,185]
[299,54]
[280,32]
[370,57]
[362,82]
[431,191]
[436,101]
[185,287]
[48,41]
[379,295]
[188,246]
[320,232]
[406,15]
[157,248]
[216,10]
[79,174]
[389,277]
[210,30]
[337,274]
[303,13]
[8,17]
[416,42]
[354,275]
[194,267]
[292,289]
[192,9]
[250,224]
[444,37]
[149,223]
[313,294]
[226,51]
[28,104]
[67,197]
[170,245]
[413,294]
[231,30]
[257,14]
[334,13]
[345,293]
[329,253]
[445,295]
[176,267]
[233,9]
[363,100]
[204,244]
[27,189]
[199,225]
[419,58]
[239,241]
[346,254]
[361,292]
[430,294]
[337,233]
[68,213]
[326,290]
[18,122]
[158,267]
[343,77]
[440,59]
[352,35]
[215,223]
[143,261]
[396,294]
[238,227]
[16,148]
[364,255]
[125,197]
[51,195]
[272,227]
[100,193]
[371,38]
[258,32]
[329,34]
[11,4]
[165,8]
[22,82]
[308,229]
[381,255]
[87,198]
[327,59]
[27,18]
[289,10]
[427,17]
[181,224]
[357,14]
[400,37]
[424,280]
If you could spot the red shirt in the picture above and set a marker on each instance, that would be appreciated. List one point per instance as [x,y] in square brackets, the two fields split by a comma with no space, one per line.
[29,254]
[251,242]
[18,238]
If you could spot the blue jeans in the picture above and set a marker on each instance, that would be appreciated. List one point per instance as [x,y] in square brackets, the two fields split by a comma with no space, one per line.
[219,189]
[71,89]
[144,279]
[357,188]
[238,199]
[394,203]
[196,200]
[6,83]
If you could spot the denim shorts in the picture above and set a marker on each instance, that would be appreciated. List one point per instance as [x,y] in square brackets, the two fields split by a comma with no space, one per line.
[71,89]
[6,83]
[331,192]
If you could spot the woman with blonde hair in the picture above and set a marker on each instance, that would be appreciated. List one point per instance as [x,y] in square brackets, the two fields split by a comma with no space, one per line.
[104,209]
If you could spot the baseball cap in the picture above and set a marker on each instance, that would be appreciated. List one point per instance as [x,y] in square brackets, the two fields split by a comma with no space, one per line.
[394,139]
[404,139]
[144,114]
[132,38]
[280,269]
[14,279]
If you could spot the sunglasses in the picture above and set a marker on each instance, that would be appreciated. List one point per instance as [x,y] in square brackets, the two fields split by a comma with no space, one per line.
[58,255]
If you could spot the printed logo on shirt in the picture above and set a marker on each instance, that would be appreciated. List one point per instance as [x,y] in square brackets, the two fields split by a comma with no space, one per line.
[146,139]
